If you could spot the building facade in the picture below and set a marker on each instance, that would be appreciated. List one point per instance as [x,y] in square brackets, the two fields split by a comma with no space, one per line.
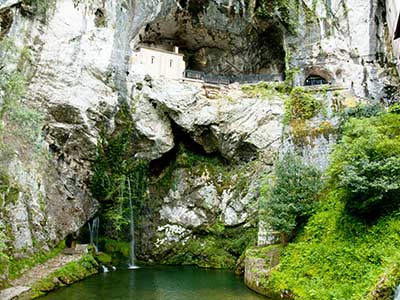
[393,19]
[158,62]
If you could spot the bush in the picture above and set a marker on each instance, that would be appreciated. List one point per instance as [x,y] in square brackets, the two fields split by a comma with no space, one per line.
[360,111]
[301,105]
[293,195]
[338,258]
[114,170]
[366,166]
[39,7]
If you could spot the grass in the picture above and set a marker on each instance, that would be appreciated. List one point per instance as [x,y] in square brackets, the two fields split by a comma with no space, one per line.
[339,258]
[68,274]
[265,90]
[18,266]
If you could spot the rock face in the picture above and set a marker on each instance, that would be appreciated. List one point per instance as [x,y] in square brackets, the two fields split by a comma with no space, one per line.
[238,129]
[392,15]
[335,46]
[259,262]
[75,59]
[219,37]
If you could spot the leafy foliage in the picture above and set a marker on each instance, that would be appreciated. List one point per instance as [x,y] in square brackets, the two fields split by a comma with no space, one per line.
[360,111]
[21,124]
[114,169]
[337,257]
[301,105]
[279,10]
[265,89]
[39,7]
[4,258]
[366,166]
[395,108]
[292,197]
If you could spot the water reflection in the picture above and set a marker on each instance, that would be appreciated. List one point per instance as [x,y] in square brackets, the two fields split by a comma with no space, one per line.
[158,283]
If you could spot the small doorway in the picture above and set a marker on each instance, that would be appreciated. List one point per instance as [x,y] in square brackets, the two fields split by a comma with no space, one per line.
[315,80]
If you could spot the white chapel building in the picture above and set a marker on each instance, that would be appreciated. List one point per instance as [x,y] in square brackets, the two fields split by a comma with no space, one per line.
[158,62]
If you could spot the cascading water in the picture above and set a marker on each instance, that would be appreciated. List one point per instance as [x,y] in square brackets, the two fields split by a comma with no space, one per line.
[397,293]
[105,269]
[94,233]
[132,264]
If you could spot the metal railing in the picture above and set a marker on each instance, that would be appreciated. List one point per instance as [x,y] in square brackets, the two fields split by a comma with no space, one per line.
[225,80]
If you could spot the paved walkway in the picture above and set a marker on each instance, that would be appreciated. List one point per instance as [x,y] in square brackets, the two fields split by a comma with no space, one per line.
[30,277]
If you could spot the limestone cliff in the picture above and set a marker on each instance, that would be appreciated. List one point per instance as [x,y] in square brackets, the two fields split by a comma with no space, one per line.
[74,56]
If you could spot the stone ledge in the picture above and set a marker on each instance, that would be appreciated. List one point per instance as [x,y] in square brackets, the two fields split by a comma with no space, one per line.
[13,292]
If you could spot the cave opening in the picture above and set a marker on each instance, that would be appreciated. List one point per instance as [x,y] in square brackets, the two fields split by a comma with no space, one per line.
[184,145]
[243,49]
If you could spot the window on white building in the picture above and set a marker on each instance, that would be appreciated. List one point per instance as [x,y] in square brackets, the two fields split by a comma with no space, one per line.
[153,59]
[170,63]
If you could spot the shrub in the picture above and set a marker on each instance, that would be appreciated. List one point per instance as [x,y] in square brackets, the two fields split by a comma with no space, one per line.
[293,195]
[360,111]
[114,170]
[366,166]
[301,105]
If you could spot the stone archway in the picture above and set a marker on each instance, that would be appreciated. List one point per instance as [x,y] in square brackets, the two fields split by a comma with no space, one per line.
[316,75]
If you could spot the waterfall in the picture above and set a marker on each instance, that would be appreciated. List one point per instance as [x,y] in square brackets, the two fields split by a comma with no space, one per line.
[397,293]
[132,227]
[94,233]
[105,269]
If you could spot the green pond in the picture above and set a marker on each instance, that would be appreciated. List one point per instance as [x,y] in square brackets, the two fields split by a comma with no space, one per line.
[158,283]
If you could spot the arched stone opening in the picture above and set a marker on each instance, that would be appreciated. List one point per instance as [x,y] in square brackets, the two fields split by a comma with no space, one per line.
[317,75]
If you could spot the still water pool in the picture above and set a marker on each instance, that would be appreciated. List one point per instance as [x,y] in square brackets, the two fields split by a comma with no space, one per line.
[158,283]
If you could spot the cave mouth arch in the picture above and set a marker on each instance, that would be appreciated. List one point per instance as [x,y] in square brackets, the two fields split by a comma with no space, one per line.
[241,48]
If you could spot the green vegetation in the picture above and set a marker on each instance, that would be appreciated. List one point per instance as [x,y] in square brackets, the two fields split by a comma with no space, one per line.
[18,266]
[117,250]
[348,250]
[4,258]
[303,134]
[214,245]
[38,7]
[218,248]
[266,90]
[293,195]
[22,125]
[68,274]
[114,170]
[395,108]
[301,105]
[283,11]
[337,257]
[366,166]
[360,111]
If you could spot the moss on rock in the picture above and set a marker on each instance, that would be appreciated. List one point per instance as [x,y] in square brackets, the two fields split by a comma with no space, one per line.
[70,273]
[212,250]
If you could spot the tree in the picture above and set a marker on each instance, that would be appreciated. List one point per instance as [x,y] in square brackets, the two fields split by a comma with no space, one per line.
[291,194]
[366,166]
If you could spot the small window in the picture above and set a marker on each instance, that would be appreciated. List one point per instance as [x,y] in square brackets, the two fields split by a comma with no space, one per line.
[153,59]
[170,63]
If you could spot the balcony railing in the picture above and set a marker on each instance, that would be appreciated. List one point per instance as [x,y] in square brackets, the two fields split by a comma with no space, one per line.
[225,80]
